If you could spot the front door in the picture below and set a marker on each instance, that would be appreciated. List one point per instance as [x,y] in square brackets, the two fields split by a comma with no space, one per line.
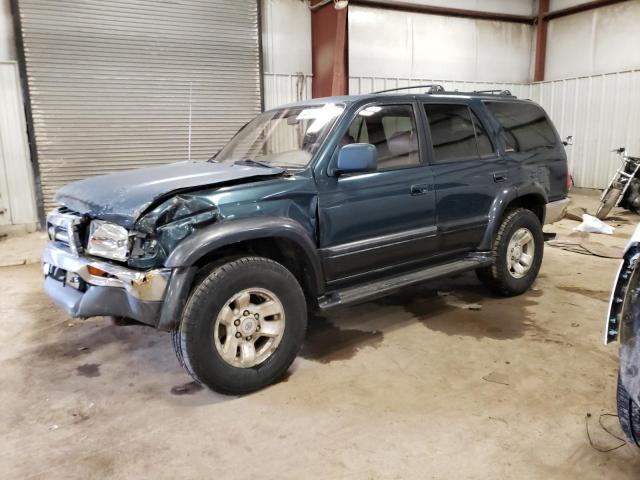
[376,221]
[467,172]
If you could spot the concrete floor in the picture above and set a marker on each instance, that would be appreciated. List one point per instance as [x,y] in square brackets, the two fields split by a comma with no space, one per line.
[411,386]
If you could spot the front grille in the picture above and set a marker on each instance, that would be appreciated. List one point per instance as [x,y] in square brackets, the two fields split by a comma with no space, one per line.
[66,228]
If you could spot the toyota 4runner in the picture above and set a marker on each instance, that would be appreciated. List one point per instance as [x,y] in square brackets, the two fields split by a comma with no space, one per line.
[313,205]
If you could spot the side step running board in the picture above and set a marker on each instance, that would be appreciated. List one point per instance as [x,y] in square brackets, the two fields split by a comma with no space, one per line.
[361,293]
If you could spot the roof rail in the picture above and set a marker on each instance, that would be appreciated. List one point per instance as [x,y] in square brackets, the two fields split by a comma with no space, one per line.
[501,93]
[432,88]
[436,88]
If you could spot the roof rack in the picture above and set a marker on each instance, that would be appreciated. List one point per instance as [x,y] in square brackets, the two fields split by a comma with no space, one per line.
[501,93]
[436,88]
[432,88]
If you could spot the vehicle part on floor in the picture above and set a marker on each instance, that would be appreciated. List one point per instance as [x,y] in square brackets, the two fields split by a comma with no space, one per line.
[591,224]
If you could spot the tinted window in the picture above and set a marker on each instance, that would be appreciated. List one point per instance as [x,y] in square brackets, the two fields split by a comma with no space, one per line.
[453,133]
[525,125]
[392,130]
[484,143]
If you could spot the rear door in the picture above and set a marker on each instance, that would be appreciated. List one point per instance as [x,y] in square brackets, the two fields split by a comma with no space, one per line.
[467,172]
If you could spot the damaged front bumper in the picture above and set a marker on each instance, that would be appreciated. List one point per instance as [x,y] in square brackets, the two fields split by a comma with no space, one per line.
[85,287]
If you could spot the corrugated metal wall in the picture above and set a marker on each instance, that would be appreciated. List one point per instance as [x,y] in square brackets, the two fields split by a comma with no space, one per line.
[17,196]
[111,82]
[281,88]
[286,46]
[602,112]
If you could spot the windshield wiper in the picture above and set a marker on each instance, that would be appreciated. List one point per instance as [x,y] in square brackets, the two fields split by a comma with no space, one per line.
[252,163]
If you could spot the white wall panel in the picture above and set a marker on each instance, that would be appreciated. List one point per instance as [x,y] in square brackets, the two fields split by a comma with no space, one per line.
[286,50]
[560,4]
[602,112]
[286,36]
[17,196]
[514,7]
[389,43]
[7,36]
[594,42]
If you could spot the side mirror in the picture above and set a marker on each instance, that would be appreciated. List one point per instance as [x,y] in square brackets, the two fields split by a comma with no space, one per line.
[357,158]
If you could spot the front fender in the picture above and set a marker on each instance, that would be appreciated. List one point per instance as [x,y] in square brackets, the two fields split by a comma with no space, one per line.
[228,232]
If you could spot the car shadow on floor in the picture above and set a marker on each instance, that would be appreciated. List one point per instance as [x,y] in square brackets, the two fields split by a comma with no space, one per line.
[455,306]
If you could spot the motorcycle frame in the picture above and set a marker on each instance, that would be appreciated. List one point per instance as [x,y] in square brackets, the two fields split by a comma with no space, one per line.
[621,173]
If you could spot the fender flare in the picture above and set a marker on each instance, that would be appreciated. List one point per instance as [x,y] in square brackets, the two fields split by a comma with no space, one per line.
[228,232]
[500,204]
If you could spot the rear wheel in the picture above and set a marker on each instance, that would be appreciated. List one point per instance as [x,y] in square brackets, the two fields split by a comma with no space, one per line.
[628,414]
[516,254]
[243,326]
[631,199]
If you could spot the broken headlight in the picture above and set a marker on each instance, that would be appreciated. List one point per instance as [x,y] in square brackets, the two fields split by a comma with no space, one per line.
[108,240]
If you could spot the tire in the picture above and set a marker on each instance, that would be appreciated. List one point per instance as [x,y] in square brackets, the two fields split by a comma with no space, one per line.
[608,202]
[205,331]
[628,414]
[499,277]
[631,199]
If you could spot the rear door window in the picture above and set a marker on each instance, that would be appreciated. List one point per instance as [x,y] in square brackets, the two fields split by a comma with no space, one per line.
[525,126]
[456,133]
[484,142]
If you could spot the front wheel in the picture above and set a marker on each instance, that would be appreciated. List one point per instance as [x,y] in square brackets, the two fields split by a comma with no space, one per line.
[243,326]
[607,203]
[516,254]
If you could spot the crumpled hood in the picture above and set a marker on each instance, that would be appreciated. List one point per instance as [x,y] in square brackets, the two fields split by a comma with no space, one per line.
[122,197]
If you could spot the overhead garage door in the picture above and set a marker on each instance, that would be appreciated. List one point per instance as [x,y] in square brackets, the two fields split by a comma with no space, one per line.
[113,85]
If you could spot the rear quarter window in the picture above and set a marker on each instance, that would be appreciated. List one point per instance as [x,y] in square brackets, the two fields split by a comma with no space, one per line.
[525,126]
[456,133]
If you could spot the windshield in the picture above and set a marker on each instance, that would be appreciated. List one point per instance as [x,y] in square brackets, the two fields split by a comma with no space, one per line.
[287,137]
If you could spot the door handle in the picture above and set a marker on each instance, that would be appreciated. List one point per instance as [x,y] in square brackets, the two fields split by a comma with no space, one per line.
[419,189]
[499,176]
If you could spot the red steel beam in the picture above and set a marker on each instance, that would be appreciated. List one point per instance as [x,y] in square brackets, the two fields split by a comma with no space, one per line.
[541,41]
[446,11]
[329,51]
[582,7]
